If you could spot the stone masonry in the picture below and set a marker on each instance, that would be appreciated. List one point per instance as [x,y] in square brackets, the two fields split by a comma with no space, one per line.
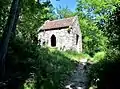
[63,34]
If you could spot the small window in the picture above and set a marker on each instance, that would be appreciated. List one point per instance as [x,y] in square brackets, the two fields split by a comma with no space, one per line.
[69,31]
[77,37]
[44,43]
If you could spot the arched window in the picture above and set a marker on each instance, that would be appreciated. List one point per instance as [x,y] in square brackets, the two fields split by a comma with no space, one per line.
[53,41]
[77,37]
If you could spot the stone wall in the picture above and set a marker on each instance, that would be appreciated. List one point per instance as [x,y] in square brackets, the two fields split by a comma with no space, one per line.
[65,39]
[76,30]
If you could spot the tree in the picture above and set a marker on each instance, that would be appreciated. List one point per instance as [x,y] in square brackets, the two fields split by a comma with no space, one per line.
[64,12]
[93,38]
[92,15]
[97,9]
[7,33]
[33,15]
[112,29]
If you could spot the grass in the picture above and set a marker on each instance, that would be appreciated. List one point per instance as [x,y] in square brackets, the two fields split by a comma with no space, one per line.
[34,67]
[98,56]
[37,67]
[72,54]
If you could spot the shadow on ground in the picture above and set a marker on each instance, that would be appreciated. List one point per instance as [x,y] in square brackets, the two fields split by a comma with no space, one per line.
[29,66]
[106,73]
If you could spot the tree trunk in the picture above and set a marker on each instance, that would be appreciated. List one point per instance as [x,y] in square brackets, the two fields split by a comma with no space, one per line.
[16,20]
[7,34]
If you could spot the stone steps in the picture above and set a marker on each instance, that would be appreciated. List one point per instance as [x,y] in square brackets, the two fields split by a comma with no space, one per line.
[79,78]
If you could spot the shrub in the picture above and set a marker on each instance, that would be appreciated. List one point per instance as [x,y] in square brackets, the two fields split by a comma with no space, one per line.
[33,67]
[107,71]
[75,55]
[99,56]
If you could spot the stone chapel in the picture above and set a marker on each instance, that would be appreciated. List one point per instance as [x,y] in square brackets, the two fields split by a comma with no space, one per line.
[63,34]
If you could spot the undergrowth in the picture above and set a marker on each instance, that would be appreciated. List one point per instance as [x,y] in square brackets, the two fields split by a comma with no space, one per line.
[104,74]
[73,55]
[29,66]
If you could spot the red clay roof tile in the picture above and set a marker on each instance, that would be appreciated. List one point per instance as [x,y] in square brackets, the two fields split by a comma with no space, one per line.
[57,23]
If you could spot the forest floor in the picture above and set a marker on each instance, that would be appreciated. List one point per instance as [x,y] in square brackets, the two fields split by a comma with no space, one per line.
[78,79]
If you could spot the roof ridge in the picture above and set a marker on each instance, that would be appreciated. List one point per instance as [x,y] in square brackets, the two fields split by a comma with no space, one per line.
[60,19]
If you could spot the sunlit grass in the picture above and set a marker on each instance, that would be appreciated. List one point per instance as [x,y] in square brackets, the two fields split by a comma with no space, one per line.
[72,54]
[99,56]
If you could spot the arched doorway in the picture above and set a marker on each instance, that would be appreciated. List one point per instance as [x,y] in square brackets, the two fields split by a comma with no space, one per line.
[53,41]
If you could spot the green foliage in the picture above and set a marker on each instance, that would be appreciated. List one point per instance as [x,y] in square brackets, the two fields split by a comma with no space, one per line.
[29,84]
[112,29]
[90,13]
[107,71]
[99,21]
[32,16]
[94,16]
[97,9]
[4,11]
[29,66]
[75,55]
[93,38]
[39,67]
[99,56]
[65,12]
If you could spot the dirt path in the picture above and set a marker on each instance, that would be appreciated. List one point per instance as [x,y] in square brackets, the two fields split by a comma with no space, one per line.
[79,78]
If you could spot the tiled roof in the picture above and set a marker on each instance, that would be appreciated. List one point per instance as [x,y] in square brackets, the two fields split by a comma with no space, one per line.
[60,23]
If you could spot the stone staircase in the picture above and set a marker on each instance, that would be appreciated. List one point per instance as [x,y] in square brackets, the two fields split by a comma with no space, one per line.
[79,78]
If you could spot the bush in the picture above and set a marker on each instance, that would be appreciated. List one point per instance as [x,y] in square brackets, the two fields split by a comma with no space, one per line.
[99,56]
[107,71]
[75,55]
[33,67]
